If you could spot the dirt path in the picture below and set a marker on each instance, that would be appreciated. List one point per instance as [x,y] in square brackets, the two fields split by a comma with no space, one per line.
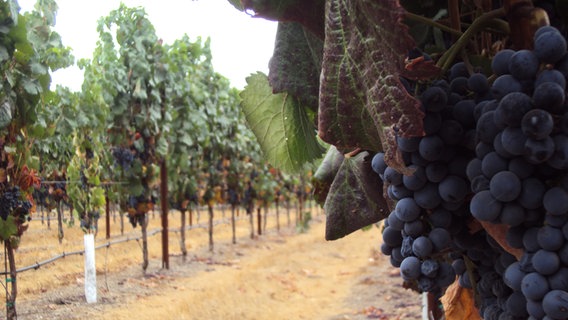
[277,276]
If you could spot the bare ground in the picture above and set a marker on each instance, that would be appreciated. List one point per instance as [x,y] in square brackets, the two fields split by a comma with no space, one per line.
[278,275]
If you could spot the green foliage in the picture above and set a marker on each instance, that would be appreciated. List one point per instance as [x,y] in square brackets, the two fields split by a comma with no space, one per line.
[357,49]
[8,228]
[281,125]
[29,50]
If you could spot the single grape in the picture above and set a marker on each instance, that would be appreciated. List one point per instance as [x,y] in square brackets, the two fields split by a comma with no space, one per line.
[512,214]
[505,186]
[539,151]
[500,62]
[414,228]
[453,189]
[513,140]
[546,262]
[504,85]
[550,46]
[523,64]
[555,304]
[434,99]
[422,247]
[486,128]
[554,201]
[431,148]
[513,107]
[478,83]
[550,238]
[458,69]
[459,85]
[417,180]
[410,268]
[392,237]
[534,286]
[430,268]
[428,197]
[552,75]
[513,276]
[436,171]
[408,144]
[440,217]
[492,164]
[485,207]
[516,305]
[550,96]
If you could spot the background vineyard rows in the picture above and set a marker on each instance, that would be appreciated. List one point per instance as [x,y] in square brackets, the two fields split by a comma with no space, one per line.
[154,126]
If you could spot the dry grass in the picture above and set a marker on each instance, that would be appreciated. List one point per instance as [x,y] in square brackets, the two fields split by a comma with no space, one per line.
[279,275]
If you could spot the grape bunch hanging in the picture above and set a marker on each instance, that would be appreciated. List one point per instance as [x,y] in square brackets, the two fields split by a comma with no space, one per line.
[495,150]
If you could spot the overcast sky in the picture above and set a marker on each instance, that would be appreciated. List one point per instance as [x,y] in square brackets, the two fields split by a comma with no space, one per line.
[240,44]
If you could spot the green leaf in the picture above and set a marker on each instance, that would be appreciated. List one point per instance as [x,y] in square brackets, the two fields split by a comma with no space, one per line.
[362,101]
[280,124]
[4,55]
[8,228]
[355,199]
[31,87]
[5,114]
[162,146]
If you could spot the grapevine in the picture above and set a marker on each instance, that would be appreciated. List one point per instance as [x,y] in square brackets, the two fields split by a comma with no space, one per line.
[467,103]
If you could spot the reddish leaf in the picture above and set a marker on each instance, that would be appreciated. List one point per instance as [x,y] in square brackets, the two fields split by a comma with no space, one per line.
[295,65]
[308,13]
[355,198]
[362,101]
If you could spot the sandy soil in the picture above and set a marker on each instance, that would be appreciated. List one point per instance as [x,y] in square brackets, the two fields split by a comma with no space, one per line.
[278,275]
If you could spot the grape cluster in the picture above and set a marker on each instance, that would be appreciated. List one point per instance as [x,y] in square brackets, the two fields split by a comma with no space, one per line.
[123,157]
[521,161]
[497,152]
[423,232]
[11,203]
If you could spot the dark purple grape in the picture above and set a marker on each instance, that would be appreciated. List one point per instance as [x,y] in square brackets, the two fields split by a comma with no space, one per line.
[500,62]
[549,46]
[523,64]
[555,304]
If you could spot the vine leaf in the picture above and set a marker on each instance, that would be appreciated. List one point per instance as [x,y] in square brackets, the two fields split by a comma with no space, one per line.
[308,13]
[281,125]
[362,101]
[296,63]
[355,198]
[8,228]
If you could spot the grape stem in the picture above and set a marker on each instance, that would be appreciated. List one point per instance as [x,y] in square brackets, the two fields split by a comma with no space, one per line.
[478,24]
[432,23]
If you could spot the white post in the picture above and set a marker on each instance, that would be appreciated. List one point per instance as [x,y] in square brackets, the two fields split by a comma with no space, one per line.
[90,269]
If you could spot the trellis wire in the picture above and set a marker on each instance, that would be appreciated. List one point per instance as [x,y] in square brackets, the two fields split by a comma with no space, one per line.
[38,265]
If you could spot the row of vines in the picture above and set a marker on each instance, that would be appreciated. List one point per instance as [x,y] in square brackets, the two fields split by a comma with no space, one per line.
[153,126]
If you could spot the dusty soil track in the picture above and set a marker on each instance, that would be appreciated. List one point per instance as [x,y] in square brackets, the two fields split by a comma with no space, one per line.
[278,275]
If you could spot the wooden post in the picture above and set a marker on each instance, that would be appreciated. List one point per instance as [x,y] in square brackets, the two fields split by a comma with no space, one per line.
[11,297]
[259,220]
[60,234]
[210,209]
[143,221]
[277,215]
[107,217]
[250,209]
[182,234]
[164,215]
[233,223]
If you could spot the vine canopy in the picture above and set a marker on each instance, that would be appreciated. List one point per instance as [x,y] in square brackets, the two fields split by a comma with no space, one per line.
[343,60]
